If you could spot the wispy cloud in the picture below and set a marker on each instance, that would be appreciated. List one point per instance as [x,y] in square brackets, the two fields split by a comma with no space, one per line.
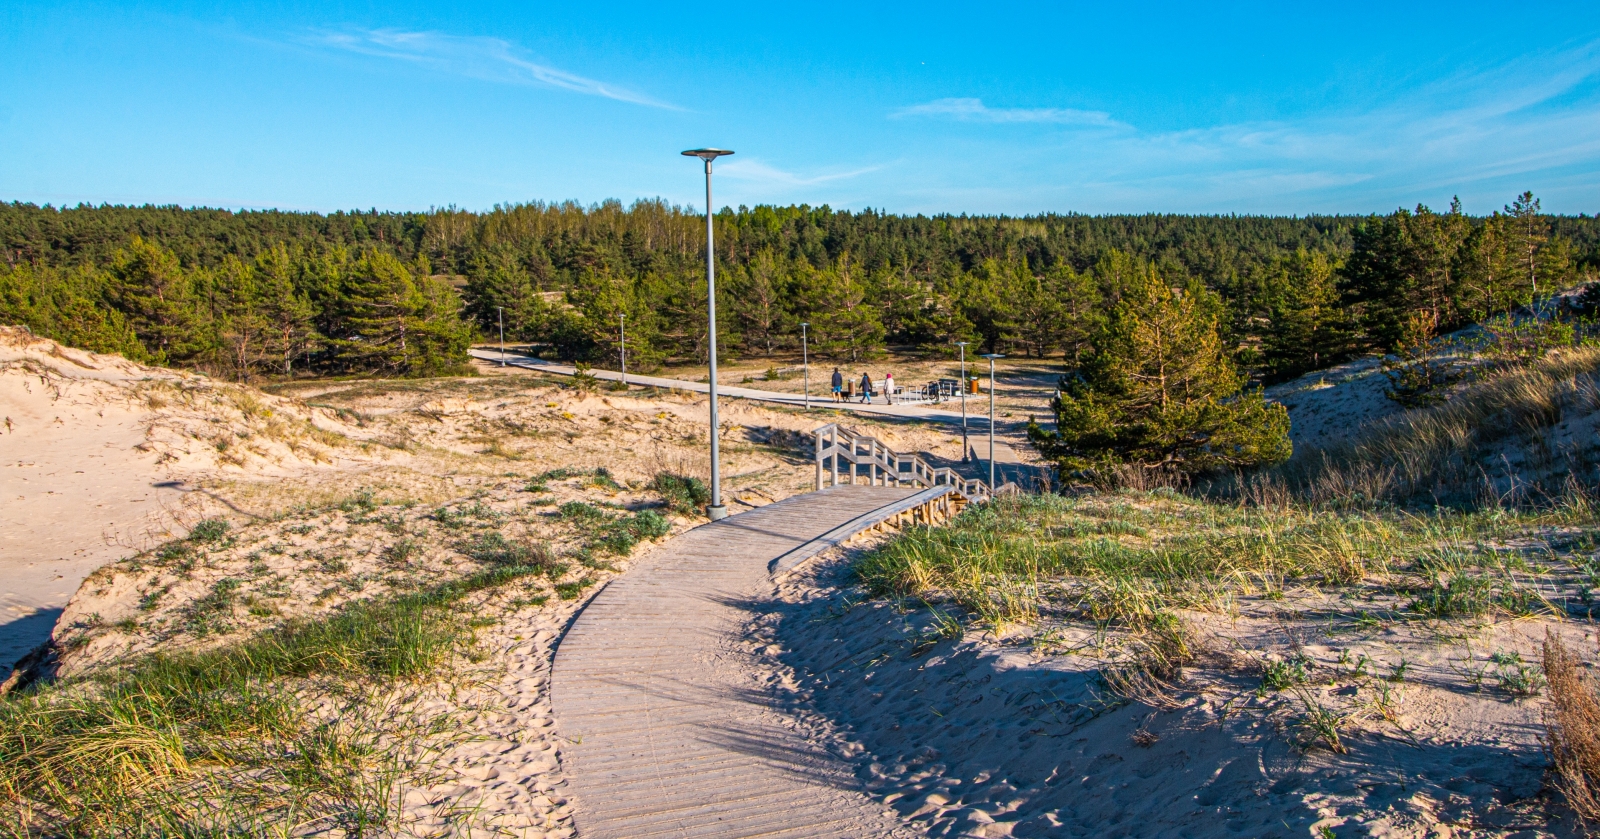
[973,110]
[1533,123]
[756,173]
[489,59]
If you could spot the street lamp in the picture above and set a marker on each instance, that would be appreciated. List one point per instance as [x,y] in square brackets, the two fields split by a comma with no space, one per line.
[715,510]
[805,362]
[963,389]
[991,357]
[622,330]
[502,311]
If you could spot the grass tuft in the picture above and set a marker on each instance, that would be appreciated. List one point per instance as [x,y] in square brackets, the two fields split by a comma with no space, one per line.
[218,743]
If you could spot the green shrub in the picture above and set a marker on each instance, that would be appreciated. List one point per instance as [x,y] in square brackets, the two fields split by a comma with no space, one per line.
[582,512]
[1285,674]
[209,530]
[621,535]
[602,478]
[684,495]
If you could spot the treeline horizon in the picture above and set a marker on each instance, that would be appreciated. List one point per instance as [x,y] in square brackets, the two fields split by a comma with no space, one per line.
[252,293]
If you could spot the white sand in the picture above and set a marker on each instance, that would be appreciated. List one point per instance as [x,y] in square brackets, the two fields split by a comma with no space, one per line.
[100,457]
[985,738]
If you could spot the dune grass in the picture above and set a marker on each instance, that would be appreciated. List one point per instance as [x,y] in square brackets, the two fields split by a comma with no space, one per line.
[1128,558]
[1488,445]
[228,741]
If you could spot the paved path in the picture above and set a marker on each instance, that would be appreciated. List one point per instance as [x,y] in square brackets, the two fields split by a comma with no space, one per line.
[818,400]
[666,739]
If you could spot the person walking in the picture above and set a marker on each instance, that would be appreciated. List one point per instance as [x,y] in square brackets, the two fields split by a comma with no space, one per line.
[838,385]
[866,389]
[888,388]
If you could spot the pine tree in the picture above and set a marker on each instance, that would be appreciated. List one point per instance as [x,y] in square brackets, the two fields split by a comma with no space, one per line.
[1420,371]
[1159,391]
[1487,269]
[398,323]
[844,322]
[1309,330]
[67,305]
[157,296]
[496,281]
[244,326]
[1529,231]
[992,301]
[1042,322]
[1080,309]
[757,296]
[285,308]
[1405,262]
[599,302]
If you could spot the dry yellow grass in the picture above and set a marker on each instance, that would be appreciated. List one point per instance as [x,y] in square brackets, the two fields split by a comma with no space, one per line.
[1524,436]
[1572,730]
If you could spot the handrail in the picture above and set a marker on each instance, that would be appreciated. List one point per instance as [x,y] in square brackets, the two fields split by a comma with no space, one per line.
[887,467]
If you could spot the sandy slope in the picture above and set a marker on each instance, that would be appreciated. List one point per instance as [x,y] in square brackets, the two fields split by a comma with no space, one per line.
[985,738]
[100,457]
[1337,403]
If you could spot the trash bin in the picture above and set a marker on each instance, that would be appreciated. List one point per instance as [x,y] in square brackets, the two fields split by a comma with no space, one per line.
[972,385]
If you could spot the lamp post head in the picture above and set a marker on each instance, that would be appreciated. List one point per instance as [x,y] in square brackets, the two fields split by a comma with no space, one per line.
[707,155]
[991,356]
[961,343]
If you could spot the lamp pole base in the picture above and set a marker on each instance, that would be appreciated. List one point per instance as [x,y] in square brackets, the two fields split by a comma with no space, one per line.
[717,513]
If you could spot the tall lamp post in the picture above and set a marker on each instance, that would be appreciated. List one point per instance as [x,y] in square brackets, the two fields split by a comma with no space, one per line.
[622,332]
[963,389]
[991,357]
[502,312]
[805,362]
[715,510]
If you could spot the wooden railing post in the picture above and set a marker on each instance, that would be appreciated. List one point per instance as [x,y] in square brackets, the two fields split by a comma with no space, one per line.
[819,460]
[835,436]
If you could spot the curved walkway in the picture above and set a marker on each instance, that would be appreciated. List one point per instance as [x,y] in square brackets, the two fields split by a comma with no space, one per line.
[665,740]
[794,400]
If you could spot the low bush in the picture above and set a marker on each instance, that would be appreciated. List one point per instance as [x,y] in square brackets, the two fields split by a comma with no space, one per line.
[209,530]
[1572,730]
[684,495]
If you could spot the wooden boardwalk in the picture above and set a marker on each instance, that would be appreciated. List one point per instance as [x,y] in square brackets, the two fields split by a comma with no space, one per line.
[665,740]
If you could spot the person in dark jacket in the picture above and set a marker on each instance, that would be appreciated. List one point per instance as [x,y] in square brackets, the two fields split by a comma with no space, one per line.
[866,389]
[838,385]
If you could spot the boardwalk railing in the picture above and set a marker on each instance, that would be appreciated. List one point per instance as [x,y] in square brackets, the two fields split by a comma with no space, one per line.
[857,457]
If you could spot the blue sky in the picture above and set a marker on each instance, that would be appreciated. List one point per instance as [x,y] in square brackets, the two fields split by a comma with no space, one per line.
[967,107]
